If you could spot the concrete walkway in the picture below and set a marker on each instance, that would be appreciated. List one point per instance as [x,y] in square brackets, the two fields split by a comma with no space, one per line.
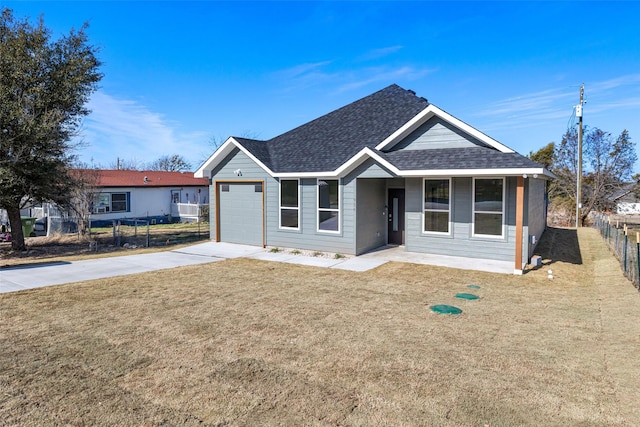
[39,275]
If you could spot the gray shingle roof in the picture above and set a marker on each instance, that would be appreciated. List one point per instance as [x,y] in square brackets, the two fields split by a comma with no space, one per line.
[457,158]
[328,141]
[259,149]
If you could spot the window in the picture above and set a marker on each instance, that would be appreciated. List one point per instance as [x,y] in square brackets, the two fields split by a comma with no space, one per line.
[436,205]
[289,204]
[328,205]
[175,196]
[112,202]
[488,207]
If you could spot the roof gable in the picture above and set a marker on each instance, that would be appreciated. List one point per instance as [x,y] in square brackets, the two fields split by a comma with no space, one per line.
[433,111]
[436,133]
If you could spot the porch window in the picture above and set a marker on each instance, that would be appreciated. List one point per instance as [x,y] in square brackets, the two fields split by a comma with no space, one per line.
[289,204]
[328,205]
[437,206]
[488,207]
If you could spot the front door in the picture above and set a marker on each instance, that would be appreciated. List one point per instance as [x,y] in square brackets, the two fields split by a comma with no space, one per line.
[395,214]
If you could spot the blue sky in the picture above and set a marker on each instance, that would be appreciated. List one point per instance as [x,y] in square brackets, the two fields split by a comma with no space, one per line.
[179,74]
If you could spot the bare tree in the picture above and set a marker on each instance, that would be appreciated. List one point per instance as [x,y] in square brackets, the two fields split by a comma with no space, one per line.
[124,164]
[83,195]
[607,169]
[173,163]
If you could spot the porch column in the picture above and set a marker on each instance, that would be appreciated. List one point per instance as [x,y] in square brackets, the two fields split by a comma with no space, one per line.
[519,224]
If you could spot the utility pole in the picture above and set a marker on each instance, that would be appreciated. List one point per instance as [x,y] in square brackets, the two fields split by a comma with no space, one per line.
[579,171]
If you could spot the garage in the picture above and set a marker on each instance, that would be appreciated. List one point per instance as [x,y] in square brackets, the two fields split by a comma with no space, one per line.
[240,212]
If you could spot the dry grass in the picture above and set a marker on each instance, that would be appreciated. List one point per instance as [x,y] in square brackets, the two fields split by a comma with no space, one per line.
[245,342]
[71,247]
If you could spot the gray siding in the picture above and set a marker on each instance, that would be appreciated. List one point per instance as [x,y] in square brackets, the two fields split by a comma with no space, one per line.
[308,237]
[436,133]
[363,225]
[250,172]
[460,242]
[371,218]
[371,169]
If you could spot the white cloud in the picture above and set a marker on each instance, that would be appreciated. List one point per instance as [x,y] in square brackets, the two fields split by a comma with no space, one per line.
[129,130]
[542,102]
[367,76]
[542,116]
[304,76]
[301,70]
[379,53]
[627,80]
[555,103]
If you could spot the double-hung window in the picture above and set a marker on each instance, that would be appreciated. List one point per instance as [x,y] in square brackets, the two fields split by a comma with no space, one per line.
[437,205]
[289,204]
[328,205]
[488,207]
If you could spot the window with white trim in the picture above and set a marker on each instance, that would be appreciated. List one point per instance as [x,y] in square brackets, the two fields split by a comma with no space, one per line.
[488,207]
[289,204]
[437,205]
[111,202]
[328,205]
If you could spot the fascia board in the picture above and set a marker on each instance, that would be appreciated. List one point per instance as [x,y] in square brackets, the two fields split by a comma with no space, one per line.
[428,113]
[407,128]
[363,155]
[215,158]
[222,152]
[346,167]
[541,172]
[339,173]
[305,174]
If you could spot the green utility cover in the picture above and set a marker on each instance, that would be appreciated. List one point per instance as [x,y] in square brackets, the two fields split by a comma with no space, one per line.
[473,287]
[445,309]
[467,296]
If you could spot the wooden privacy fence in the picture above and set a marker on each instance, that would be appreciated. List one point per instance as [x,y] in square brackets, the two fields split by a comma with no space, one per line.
[624,242]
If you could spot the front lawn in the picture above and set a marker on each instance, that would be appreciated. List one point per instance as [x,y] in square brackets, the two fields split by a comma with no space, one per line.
[245,342]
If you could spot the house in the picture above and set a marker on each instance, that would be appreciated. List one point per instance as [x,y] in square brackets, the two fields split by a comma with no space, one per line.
[388,169]
[625,199]
[156,196]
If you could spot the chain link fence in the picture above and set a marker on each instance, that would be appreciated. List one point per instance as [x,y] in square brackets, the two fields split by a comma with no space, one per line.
[624,241]
[138,233]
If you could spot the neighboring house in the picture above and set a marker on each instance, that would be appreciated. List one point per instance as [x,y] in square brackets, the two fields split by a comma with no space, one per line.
[156,196]
[625,200]
[388,169]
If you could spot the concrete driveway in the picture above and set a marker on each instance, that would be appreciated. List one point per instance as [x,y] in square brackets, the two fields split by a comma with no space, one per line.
[39,275]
